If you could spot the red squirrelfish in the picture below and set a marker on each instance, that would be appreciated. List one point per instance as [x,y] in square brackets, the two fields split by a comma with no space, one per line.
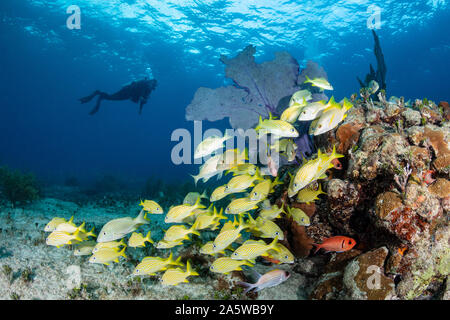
[337,244]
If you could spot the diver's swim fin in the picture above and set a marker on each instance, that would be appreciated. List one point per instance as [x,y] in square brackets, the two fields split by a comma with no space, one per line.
[97,106]
[90,97]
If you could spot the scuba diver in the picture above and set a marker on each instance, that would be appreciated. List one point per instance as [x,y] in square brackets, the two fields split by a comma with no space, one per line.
[136,91]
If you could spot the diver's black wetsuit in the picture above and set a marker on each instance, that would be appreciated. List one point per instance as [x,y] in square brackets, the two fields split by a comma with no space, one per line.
[137,91]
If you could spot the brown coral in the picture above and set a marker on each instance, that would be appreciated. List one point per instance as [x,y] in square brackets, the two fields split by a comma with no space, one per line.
[440,188]
[347,135]
[386,203]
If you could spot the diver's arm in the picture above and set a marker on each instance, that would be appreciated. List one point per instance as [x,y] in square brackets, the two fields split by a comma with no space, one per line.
[143,101]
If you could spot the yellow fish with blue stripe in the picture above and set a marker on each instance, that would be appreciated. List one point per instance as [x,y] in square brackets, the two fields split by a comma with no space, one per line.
[219,193]
[55,222]
[244,168]
[70,227]
[208,220]
[110,244]
[271,213]
[241,205]
[299,216]
[226,265]
[151,265]
[279,128]
[61,238]
[321,83]
[179,232]
[251,249]
[151,206]
[283,255]
[308,195]
[181,212]
[263,189]
[330,118]
[162,244]
[173,277]
[228,235]
[267,229]
[291,114]
[241,183]
[137,240]
[208,249]
[300,97]
[107,255]
[84,248]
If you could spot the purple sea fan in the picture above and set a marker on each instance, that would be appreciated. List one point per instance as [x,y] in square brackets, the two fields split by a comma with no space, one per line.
[257,90]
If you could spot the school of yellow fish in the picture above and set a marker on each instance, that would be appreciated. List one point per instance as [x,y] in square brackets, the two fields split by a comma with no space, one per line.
[192,217]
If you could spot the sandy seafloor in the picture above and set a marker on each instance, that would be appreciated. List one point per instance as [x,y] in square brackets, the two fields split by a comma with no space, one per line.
[22,247]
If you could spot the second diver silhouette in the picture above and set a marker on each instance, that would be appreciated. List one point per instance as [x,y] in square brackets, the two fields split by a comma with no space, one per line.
[137,91]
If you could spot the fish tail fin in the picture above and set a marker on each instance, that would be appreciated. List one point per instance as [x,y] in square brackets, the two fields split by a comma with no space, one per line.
[147,237]
[193,229]
[197,204]
[246,285]
[190,271]
[122,242]
[204,195]
[140,219]
[122,252]
[91,233]
[259,126]
[81,227]
[196,178]
[308,80]
[318,246]
[220,215]
[76,236]
[335,155]
[71,219]
[273,245]
[176,262]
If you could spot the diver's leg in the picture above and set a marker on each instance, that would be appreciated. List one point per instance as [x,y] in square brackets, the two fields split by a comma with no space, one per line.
[90,97]
[101,96]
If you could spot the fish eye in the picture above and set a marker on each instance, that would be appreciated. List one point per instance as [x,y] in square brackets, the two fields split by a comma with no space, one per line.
[235,254]
[277,233]
[292,130]
[286,257]
[295,185]
[320,126]
[212,267]
[255,193]
[214,246]
[350,242]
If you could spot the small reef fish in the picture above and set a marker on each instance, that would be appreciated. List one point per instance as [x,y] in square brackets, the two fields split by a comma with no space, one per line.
[173,277]
[308,195]
[244,168]
[270,279]
[226,265]
[107,255]
[330,118]
[232,158]
[267,229]
[283,255]
[61,238]
[207,220]
[119,228]
[151,265]
[110,245]
[252,249]
[228,235]
[321,83]
[241,205]
[300,97]
[151,207]
[279,128]
[373,87]
[314,110]
[178,213]
[84,248]
[55,222]
[209,169]
[291,114]
[241,183]
[178,233]
[207,248]
[336,244]
[70,227]
[271,213]
[209,145]
[219,193]
[299,216]
[85,235]
[262,189]
[137,240]
[168,244]
[191,197]
[305,175]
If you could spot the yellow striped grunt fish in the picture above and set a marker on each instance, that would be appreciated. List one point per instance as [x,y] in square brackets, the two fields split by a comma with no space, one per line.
[151,265]
[151,206]
[251,249]
[178,213]
[226,265]
[107,255]
[173,277]
[137,240]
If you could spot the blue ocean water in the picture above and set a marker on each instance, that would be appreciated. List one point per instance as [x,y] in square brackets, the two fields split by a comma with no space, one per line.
[45,67]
